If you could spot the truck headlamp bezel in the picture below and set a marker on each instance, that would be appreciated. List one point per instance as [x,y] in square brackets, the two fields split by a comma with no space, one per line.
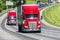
[38,26]
[39,22]
[26,26]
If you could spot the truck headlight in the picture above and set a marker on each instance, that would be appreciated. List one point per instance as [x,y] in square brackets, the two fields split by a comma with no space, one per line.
[38,26]
[39,22]
[26,26]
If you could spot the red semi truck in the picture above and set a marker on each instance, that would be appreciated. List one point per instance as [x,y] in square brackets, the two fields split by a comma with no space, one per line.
[11,18]
[29,19]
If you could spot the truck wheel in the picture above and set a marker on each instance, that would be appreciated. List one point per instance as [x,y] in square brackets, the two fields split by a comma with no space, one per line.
[19,28]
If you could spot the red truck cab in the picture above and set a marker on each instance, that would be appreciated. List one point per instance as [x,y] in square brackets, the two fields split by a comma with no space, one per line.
[11,18]
[31,18]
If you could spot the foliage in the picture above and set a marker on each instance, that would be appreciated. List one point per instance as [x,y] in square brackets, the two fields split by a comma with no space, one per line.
[34,1]
[3,3]
[44,1]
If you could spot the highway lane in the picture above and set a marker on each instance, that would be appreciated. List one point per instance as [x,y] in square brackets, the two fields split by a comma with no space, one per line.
[48,33]
[2,38]
[15,33]
[4,35]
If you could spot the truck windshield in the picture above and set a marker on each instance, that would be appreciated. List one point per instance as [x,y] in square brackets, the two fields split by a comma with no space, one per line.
[12,17]
[32,16]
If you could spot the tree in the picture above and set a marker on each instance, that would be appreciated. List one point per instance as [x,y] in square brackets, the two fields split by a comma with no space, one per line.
[3,4]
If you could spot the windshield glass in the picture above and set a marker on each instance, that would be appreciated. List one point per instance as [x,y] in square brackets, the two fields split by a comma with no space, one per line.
[12,17]
[32,16]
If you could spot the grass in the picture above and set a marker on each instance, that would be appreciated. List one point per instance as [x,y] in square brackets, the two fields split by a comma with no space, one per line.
[30,2]
[34,1]
[44,1]
[52,15]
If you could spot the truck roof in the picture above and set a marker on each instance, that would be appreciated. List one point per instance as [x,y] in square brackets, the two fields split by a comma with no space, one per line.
[11,13]
[30,9]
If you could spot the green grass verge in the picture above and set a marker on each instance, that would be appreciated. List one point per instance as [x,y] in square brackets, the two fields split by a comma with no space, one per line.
[30,2]
[44,1]
[34,1]
[52,15]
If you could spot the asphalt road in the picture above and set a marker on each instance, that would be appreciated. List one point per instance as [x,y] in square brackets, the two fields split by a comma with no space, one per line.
[10,31]
[48,33]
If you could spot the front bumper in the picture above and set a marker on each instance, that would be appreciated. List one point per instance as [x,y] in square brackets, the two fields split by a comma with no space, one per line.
[37,29]
[11,22]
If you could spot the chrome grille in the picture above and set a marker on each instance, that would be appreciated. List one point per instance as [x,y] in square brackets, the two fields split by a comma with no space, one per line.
[32,25]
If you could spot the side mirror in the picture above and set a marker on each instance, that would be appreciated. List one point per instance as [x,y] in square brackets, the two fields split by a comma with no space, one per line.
[41,17]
